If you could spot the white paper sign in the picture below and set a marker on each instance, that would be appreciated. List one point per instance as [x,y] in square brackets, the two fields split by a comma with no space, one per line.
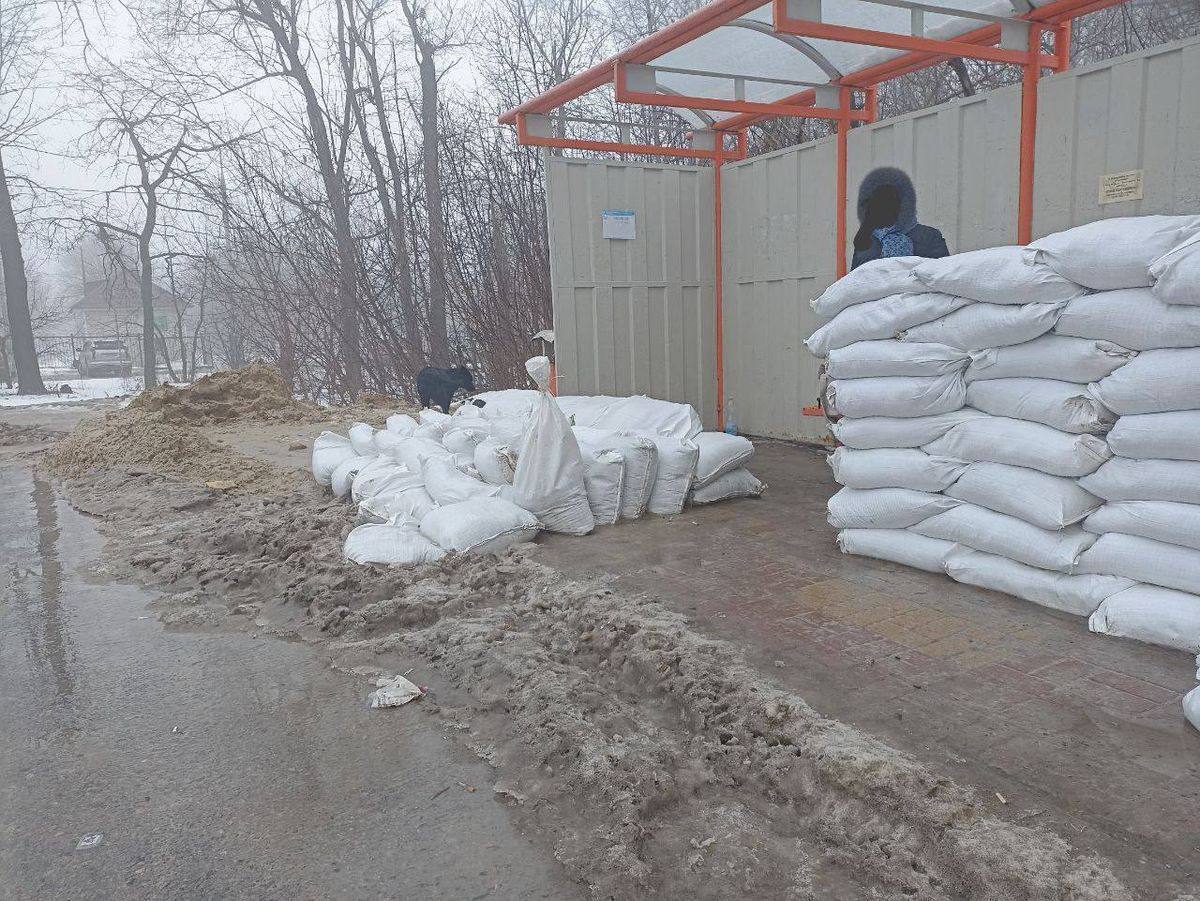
[1121,186]
[620,225]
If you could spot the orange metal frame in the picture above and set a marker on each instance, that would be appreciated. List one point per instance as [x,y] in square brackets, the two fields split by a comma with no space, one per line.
[1055,17]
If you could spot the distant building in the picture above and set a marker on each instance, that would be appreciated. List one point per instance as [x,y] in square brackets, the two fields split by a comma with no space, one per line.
[112,307]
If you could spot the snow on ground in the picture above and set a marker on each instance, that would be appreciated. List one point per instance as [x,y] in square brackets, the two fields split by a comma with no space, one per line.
[81,390]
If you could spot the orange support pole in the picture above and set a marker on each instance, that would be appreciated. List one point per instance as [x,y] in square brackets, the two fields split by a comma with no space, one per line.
[843,141]
[1029,115]
[719,293]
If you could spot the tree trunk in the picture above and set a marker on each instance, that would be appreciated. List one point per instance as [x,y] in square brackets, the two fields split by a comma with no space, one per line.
[146,288]
[439,341]
[964,77]
[16,295]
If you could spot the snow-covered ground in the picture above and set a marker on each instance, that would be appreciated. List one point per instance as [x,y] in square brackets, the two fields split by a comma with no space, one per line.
[81,390]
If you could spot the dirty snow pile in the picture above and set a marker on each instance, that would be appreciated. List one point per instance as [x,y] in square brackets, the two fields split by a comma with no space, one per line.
[491,476]
[1027,419]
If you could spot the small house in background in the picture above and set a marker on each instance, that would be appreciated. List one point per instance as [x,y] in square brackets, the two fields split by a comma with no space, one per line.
[112,307]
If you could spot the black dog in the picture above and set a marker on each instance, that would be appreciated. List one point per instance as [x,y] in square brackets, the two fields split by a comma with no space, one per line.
[440,385]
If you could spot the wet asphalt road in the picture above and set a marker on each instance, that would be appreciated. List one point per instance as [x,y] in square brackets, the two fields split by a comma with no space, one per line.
[213,766]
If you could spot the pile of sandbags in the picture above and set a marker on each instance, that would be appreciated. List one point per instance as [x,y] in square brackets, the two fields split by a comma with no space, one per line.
[515,462]
[1028,420]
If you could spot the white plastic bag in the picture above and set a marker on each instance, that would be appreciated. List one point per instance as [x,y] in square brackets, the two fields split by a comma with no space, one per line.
[362,439]
[997,439]
[1046,501]
[1078,360]
[1079,595]
[343,476]
[481,525]
[495,462]
[1144,560]
[870,281]
[643,414]
[897,546]
[398,542]
[1007,536]
[890,431]
[885,508]
[1062,405]
[329,451]
[1176,274]
[871,359]
[1122,479]
[735,484]
[894,468]
[401,424]
[403,497]
[603,477]
[446,484]
[1156,615]
[674,474]
[898,396]
[549,480]
[720,453]
[983,325]
[1113,253]
[1155,381]
[382,473]
[1167,521]
[641,465]
[1133,318]
[877,319]
[996,275]
[1164,436]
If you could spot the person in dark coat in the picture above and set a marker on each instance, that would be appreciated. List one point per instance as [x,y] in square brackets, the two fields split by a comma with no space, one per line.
[887,215]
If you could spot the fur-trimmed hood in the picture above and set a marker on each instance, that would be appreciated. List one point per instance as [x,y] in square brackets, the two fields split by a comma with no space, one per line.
[897,178]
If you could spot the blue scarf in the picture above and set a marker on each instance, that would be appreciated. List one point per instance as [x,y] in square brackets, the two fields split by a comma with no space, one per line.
[894,242]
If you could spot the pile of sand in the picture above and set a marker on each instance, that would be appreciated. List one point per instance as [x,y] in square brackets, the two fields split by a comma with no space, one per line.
[256,391]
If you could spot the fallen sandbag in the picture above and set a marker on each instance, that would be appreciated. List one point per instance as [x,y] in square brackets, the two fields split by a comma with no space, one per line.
[871,359]
[603,476]
[462,439]
[343,475]
[1144,560]
[413,452]
[1123,479]
[878,319]
[1075,594]
[996,275]
[984,325]
[1046,501]
[889,431]
[1078,360]
[894,468]
[399,542]
[897,546]
[1133,318]
[403,497]
[482,525]
[430,431]
[884,508]
[1065,406]
[896,396]
[1162,436]
[720,453]
[362,438]
[738,483]
[1176,274]
[447,485]
[1148,613]
[495,462]
[996,439]
[401,424]
[382,473]
[329,451]
[1007,536]
[1113,253]
[1155,381]
[1191,707]
[872,280]
[641,465]
[646,414]
[1166,521]
[674,474]
[388,443]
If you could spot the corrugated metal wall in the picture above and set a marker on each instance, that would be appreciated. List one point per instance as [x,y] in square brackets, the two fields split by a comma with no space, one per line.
[634,316]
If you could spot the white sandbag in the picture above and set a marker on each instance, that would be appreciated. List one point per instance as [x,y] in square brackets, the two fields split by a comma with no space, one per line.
[1155,381]
[1075,594]
[446,484]
[382,473]
[894,468]
[1163,436]
[549,480]
[1133,318]
[1065,406]
[388,443]
[467,410]
[871,359]
[1144,560]
[362,438]
[903,397]
[720,453]
[1078,360]
[1113,253]
[495,462]
[398,543]
[885,508]
[983,325]
[870,281]
[430,431]
[641,465]
[1007,536]
[1046,501]
[482,525]
[1176,274]
[1122,479]
[603,476]
[584,409]
[1191,707]
[674,474]
[1148,613]
[413,452]
[1167,521]
[508,403]
[343,475]
[462,439]
[430,416]
[878,319]
[738,483]
[402,498]
[329,451]
[890,431]
[896,546]
[401,424]
[996,275]
[998,439]
[647,415]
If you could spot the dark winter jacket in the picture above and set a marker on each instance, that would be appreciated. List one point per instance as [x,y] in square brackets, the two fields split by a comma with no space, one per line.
[926,241]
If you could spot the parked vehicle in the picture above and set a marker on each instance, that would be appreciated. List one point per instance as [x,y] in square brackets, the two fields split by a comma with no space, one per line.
[104,357]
